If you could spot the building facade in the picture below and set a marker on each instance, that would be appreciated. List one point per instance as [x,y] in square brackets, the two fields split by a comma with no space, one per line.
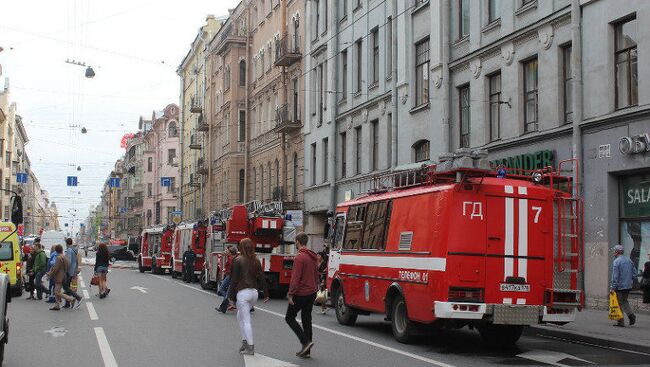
[192,72]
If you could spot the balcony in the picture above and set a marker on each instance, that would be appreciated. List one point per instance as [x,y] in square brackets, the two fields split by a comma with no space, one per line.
[195,105]
[194,144]
[287,119]
[195,181]
[201,169]
[287,50]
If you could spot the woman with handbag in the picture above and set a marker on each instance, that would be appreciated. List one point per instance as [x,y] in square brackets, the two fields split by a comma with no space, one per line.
[101,269]
[645,281]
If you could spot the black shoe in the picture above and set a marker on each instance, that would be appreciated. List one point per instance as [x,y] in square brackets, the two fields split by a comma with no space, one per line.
[632,318]
[252,309]
[306,350]
[67,305]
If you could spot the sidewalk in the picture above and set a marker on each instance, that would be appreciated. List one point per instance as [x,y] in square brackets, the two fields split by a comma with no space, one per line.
[593,327]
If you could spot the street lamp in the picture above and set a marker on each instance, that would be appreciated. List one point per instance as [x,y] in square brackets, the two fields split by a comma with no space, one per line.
[90,73]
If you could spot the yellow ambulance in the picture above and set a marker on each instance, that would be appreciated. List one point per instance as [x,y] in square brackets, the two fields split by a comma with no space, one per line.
[10,257]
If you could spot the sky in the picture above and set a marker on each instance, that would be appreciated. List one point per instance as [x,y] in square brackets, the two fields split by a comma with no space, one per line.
[133,46]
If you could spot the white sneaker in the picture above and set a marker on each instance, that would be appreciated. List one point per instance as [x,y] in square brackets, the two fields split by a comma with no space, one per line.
[78,304]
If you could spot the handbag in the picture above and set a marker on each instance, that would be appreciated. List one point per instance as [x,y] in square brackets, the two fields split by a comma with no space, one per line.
[644,283]
[95,280]
[321,297]
[615,312]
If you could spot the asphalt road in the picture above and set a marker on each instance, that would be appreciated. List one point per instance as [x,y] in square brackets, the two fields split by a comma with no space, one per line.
[158,321]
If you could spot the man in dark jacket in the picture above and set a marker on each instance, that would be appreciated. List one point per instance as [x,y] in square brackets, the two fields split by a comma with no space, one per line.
[188,265]
[40,268]
[302,293]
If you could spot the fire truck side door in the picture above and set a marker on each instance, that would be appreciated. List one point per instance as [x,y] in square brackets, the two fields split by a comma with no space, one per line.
[335,247]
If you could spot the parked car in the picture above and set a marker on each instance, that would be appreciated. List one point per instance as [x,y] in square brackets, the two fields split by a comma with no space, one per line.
[5,297]
[120,252]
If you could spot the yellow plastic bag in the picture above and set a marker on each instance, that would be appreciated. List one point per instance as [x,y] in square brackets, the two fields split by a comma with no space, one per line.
[615,312]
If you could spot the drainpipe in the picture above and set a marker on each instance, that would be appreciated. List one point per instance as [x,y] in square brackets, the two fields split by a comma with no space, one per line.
[393,121]
[247,138]
[182,141]
[446,90]
[333,108]
[283,93]
[576,66]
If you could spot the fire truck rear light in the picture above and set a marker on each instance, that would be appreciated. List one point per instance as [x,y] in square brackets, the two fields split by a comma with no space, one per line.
[458,294]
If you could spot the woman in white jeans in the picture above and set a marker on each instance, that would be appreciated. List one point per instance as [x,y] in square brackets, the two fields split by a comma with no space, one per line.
[246,279]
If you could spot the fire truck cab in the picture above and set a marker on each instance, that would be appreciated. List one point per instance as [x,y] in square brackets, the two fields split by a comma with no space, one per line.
[188,235]
[155,250]
[215,245]
[459,247]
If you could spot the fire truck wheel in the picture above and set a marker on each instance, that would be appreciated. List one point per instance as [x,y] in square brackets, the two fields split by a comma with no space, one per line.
[501,335]
[402,327]
[174,274]
[344,314]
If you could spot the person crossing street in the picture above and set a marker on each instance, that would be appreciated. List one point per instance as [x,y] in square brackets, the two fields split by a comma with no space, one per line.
[302,294]
[71,256]
[40,268]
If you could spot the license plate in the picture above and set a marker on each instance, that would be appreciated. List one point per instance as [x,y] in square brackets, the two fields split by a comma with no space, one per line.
[506,287]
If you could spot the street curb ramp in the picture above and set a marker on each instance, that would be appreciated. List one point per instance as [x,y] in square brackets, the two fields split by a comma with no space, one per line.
[554,332]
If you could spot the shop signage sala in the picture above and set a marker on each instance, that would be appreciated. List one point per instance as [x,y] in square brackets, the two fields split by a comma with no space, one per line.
[634,144]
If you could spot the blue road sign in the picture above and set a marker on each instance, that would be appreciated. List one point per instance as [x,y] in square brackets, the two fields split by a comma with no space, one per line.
[177,212]
[114,182]
[123,210]
[21,177]
[72,180]
[165,181]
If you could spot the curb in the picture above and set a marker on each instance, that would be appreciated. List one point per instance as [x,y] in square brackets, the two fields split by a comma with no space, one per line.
[575,336]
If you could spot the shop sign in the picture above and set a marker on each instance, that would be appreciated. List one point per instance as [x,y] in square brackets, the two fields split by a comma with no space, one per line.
[634,144]
[528,161]
[635,196]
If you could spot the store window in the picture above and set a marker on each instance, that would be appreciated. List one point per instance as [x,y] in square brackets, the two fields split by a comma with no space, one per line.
[635,218]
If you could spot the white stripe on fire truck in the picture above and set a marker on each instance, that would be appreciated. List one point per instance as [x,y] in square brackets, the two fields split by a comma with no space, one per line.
[400,262]
[522,269]
[509,247]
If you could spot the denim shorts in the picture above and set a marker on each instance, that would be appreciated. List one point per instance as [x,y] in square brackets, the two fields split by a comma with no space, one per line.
[102,270]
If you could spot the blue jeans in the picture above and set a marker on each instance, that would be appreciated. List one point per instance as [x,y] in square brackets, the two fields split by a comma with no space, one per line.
[223,291]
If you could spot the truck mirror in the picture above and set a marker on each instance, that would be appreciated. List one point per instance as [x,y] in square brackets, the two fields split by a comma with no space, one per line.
[326,230]
[17,210]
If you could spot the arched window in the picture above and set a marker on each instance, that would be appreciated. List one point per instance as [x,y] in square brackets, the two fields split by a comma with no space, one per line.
[241,185]
[294,181]
[421,151]
[242,73]
[262,182]
[268,165]
[254,183]
[172,130]
[277,195]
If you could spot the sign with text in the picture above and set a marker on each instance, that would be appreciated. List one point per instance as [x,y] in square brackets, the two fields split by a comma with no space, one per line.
[114,182]
[165,181]
[528,161]
[21,178]
[635,196]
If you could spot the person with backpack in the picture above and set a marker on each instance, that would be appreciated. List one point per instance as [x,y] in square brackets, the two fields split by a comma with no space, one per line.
[51,298]
[71,256]
[40,268]
[246,278]
[58,273]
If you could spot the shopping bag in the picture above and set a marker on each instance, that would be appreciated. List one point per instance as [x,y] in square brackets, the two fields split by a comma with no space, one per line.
[614,308]
[95,280]
[45,282]
[321,297]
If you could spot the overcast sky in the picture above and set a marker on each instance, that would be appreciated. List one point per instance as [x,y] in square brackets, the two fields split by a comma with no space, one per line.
[134,47]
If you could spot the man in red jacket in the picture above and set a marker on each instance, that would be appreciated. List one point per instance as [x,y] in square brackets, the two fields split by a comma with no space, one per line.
[302,293]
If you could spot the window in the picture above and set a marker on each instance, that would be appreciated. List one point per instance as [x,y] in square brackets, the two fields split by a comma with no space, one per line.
[7,184]
[344,158]
[344,8]
[421,151]
[149,164]
[277,194]
[344,74]
[325,13]
[270,179]
[626,63]
[464,106]
[354,227]
[172,186]
[495,106]
[567,73]
[173,130]
[463,18]
[242,174]
[313,164]
[357,150]
[149,190]
[374,125]
[389,46]
[226,78]
[422,73]
[321,93]
[254,183]
[325,159]
[6,248]
[494,10]
[8,158]
[171,154]
[375,56]
[530,95]
[262,182]
[241,136]
[294,181]
[315,27]
[525,2]
[242,73]
[359,66]
[376,223]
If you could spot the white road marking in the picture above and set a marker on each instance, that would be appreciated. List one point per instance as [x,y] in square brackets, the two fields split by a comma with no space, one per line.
[82,284]
[260,360]
[335,332]
[86,294]
[56,331]
[141,289]
[105,348]
[91,311]
[80,277]
[573,341]
[550,357]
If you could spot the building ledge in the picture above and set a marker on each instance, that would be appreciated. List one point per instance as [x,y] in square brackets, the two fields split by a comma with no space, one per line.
[526,8]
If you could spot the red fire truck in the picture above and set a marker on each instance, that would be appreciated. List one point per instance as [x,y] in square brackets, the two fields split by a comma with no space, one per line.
[188,235]
[155,249]
[460,247]
[264,225]
[215,245]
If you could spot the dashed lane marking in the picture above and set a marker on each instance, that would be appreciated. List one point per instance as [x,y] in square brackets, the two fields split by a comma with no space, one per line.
[86,294]
[82,284]
[105,348]
[91,311]
[332,331]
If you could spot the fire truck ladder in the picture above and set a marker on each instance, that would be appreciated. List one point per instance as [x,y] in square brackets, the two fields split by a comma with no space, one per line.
[568,265]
